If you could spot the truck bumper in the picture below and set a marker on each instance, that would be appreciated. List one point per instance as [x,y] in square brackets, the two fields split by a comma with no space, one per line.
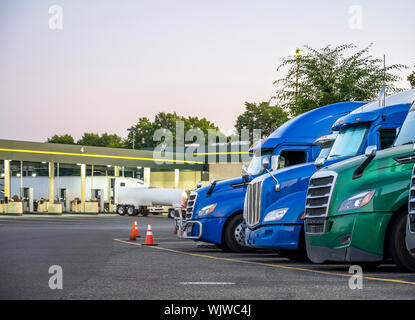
[345,239]
[273,236]
[207,230]
[346,254]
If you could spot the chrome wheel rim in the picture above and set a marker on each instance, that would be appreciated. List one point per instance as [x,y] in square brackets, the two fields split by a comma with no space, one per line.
[240,235]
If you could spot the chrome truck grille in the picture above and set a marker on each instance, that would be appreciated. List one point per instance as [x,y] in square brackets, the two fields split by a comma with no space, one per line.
[253,203]
[318,200]
[412,203]
[190,205]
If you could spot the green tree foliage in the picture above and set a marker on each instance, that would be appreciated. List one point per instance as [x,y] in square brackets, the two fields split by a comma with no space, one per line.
[331,75]
[144,129]
[64,139]
[105,140]
[261,116]
[411,79]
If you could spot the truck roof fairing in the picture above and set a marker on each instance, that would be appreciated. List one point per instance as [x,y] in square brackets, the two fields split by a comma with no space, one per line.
[404,97]
[390,112]
[299,129]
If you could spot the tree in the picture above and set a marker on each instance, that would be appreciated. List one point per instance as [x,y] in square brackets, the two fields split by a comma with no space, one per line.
[329,75]
[260,116]
[105,140]
[411,79]
[142,134]
[144,130]
[63,139]
[112,141]
[90,139]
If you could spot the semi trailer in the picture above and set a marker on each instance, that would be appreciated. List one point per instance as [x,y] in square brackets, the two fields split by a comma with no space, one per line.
[214,213]
[133,201]
[274,218]
[357,210]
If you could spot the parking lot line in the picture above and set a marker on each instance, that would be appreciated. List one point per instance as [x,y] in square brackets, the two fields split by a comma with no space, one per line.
[268,264]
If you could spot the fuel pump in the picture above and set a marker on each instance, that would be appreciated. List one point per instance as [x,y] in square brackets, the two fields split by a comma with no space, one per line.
[98,195]
[28,201]
[64,199]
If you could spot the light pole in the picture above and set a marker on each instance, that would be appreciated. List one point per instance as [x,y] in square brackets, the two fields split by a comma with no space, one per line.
[133,130]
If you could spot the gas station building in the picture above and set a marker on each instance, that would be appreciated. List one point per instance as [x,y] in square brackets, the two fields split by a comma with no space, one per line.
[36,159]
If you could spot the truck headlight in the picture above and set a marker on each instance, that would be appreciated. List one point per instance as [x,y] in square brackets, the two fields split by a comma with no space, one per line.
[206,210]
[357,201]
[275,214]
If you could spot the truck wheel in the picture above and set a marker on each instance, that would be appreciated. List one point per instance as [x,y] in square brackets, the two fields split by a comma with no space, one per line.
[131,211]
[235,235]
[121,210]
[172,213]
[144,213]
[397,246]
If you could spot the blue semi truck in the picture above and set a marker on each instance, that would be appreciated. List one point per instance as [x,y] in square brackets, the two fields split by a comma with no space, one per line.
[214,212]
[274,215]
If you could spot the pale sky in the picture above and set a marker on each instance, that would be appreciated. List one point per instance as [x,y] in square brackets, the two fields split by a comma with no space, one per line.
[115,61]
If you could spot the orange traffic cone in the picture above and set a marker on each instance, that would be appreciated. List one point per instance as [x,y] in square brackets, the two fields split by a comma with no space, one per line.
[149,236]
[175,229]
[132,233]
[137,234]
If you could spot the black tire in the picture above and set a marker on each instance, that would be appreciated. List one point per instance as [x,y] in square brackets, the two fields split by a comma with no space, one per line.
[232,241]
[131,211]
[144,213]
[397,246]
[121,210]
[171,214]
[300,254]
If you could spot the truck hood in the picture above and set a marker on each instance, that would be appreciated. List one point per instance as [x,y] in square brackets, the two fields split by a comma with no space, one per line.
[221,186]
[383,159]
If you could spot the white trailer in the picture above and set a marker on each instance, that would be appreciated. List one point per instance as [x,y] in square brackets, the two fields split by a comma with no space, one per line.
[133,200]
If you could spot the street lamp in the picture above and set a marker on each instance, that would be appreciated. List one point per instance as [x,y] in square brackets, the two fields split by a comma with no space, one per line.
[133,130]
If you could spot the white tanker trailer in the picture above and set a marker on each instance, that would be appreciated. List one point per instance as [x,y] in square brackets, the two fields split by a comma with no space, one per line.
[132,200]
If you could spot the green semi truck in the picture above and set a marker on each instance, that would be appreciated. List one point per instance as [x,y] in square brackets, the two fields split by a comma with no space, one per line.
[357,210]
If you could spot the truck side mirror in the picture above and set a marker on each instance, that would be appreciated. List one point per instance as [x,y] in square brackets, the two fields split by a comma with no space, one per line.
[275,163]
[319,163]
[245,170]
[265,163]
[371,151]
[245,173]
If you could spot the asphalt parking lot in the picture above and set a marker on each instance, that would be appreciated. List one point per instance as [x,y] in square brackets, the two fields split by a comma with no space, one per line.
[98,263]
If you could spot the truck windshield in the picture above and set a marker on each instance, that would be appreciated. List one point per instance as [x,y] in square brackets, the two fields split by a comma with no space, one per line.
[348,141]
[255,166]
[407,133]
[325,150]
